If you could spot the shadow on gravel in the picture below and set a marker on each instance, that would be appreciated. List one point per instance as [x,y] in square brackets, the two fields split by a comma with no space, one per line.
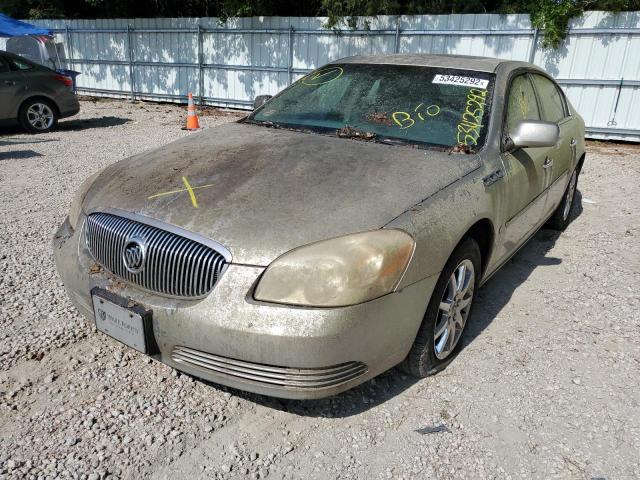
[85,124]
[27,142]
[497,292]
[18,154]
[491,299]
[72,125]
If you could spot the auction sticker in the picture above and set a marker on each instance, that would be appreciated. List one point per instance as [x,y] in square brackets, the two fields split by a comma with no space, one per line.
[462,81]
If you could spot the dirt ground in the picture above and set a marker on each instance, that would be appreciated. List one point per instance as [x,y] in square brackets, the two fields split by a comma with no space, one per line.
[546,386]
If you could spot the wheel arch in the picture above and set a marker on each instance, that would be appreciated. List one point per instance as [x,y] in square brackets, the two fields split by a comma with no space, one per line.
[483,232]
[39,97]
[580,163]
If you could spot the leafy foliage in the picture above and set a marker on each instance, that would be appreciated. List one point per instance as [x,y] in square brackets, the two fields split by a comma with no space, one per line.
[550,16]
[553,16]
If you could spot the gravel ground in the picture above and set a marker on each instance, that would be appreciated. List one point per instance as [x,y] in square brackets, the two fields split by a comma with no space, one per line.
[546,386]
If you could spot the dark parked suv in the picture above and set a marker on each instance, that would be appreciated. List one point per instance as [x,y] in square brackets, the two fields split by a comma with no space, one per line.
[34,95]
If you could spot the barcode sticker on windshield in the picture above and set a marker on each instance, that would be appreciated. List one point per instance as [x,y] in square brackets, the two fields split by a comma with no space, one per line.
[462,81]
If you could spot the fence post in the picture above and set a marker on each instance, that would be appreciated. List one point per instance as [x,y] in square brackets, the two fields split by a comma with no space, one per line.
[131,82]
[200,71]
[532,52]
[290,64]
[396,46]
[70,56]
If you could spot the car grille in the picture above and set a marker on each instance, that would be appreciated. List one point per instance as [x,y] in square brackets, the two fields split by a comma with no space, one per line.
[296,378]
[174,265]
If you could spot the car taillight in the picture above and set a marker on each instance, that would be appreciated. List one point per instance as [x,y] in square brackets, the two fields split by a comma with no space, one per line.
[64,79]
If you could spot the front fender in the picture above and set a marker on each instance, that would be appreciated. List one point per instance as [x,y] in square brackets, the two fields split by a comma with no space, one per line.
[441,221]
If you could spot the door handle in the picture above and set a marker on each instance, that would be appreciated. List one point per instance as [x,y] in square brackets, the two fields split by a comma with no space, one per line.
[548,162]
[9,82]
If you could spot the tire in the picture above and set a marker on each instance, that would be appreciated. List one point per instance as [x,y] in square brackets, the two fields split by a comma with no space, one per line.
[38,115]
[560,217]
[424,359]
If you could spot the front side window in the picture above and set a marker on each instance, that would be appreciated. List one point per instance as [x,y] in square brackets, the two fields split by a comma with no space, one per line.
[553,108]
[521,104]
[402,104]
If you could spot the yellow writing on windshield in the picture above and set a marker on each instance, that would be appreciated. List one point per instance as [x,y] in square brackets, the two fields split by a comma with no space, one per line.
[321,77]
[470,127]
[431,110]
[404,119]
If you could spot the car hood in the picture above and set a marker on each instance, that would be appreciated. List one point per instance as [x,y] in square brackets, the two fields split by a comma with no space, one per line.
[262,191]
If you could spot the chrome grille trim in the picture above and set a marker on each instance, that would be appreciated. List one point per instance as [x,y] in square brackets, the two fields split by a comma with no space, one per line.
[295,378]
[178,263]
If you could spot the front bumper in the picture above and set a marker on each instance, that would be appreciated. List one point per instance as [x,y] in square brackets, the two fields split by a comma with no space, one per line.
[231,339]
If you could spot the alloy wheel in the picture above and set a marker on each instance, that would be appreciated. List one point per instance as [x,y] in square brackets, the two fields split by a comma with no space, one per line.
[40,116]
[454,309]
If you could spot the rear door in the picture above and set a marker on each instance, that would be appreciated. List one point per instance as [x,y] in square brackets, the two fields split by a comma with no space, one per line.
[554,109]
[527,176]
[13,87]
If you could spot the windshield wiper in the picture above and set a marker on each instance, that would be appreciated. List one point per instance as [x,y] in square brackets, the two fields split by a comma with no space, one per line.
[409,143]
[393,141]
[261,122]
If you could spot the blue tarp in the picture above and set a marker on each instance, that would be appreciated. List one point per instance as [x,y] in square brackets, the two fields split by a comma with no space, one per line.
[11,28]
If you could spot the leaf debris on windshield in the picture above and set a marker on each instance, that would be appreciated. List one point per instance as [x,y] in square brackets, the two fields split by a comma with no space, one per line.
[381,118]
[349,132]
[461,148]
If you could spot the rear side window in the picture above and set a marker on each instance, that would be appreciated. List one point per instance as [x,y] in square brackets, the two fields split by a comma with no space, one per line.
[552,100]
[522,103]
[17,64]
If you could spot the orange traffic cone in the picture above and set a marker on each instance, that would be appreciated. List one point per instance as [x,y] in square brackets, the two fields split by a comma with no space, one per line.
[192,118]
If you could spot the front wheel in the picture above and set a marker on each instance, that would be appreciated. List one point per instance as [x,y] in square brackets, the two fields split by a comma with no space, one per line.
[444,322]
[38,116]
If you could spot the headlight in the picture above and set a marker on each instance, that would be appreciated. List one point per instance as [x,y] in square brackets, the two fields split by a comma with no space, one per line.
[338,272]
[76,204]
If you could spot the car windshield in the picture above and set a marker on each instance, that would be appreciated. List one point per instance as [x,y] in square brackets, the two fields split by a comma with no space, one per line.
[402,104]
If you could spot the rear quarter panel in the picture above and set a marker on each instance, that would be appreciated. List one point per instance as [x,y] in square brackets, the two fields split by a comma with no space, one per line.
[40,83]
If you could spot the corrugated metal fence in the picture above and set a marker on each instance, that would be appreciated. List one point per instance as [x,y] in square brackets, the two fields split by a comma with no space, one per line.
[230,64]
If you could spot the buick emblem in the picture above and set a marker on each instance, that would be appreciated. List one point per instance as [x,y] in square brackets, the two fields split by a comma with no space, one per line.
[134,254]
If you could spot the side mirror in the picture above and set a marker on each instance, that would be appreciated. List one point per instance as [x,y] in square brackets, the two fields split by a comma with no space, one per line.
[533,133]
[261,100]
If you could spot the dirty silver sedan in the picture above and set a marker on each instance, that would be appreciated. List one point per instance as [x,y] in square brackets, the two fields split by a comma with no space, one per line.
[342,228]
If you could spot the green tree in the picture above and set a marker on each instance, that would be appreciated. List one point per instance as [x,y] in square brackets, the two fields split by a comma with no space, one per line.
[552,17]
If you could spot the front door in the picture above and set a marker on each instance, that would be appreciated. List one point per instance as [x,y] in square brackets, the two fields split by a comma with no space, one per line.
[528,172]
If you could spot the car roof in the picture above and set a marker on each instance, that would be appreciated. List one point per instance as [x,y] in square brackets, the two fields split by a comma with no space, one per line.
[462,62]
